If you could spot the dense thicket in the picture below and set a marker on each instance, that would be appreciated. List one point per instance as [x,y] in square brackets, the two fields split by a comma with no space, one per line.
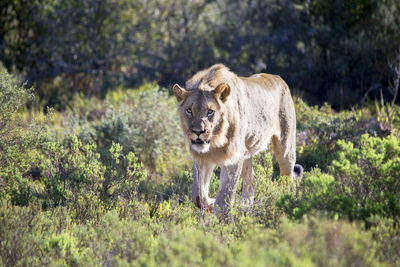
[336,51]
[108,182]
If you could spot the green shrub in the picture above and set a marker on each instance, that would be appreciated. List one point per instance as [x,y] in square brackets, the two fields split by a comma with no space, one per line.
[263,167]
[70,171]
[314,242]
[319,129]
[180,185]
[369,174]
[316,191]
[19,140]
[115,241]
[122,176]
[387,236]
[174,235]
[362,182]
[13,99]
[19,226]
[74,174]
[190,247]
[144,121]
[268,190]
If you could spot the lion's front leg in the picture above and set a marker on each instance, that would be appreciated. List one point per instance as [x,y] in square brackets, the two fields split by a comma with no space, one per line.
[229,179]
[202,172]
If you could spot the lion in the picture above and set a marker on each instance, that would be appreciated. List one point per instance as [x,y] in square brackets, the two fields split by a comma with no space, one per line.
[226,120]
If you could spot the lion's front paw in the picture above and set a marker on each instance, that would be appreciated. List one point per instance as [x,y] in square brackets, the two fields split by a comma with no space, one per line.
[207,204]
[210,205]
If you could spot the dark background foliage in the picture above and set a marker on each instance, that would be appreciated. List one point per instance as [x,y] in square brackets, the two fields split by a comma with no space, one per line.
[335,51]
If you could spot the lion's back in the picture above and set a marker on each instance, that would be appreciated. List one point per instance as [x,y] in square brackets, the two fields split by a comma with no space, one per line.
[263,93]
[269,109]
[269,82]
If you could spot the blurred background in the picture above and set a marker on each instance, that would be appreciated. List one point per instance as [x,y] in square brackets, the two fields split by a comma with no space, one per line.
[337,51]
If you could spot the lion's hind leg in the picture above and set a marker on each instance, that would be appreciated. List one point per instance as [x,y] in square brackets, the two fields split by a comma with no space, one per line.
[248,183]
[285,152]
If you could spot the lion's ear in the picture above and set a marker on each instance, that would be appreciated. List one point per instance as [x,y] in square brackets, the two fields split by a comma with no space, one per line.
[222,92]
[179,92]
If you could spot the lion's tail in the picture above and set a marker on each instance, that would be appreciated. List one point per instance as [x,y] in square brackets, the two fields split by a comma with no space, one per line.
[298,171]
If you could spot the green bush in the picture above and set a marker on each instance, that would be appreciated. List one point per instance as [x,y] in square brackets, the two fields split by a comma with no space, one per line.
[75,173]
[180,185]
[19,139]
[268,190]
[70,172]
[174,235]
[122,176]
[14,97]
[190,247]
[18,231]
[319,129]
[316,192]
[387,236]
[143,121]
[314,242]
[362,182]
[369,174]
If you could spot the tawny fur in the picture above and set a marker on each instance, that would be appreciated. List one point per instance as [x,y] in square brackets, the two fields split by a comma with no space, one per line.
[247,112]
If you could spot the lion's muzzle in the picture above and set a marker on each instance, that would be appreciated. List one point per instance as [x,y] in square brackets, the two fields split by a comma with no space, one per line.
[200,146]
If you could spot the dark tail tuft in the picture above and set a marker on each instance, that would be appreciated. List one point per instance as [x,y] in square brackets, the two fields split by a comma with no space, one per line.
[298,171]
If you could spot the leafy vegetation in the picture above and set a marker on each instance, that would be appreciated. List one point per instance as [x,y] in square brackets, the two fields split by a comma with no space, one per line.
[108,182]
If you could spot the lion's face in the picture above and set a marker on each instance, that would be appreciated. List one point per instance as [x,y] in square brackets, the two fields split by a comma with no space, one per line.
[202,116]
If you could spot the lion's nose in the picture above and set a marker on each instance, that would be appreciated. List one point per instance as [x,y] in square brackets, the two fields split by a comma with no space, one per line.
[198,132]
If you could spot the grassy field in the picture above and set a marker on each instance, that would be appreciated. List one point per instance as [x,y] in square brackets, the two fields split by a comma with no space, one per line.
[108,182]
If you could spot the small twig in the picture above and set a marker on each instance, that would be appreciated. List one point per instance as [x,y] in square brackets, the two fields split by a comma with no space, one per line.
[373,87]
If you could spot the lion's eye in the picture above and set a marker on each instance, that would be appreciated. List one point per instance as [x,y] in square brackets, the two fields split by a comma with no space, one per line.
[210,112]
[189,111]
